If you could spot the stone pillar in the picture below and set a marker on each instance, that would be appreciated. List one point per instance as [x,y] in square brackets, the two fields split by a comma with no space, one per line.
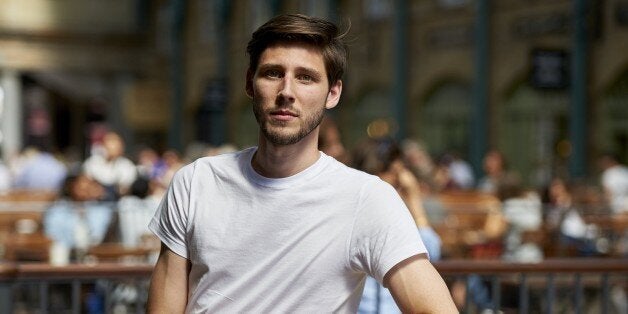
[10,113]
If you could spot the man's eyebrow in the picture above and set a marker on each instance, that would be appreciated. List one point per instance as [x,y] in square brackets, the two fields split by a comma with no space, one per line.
[310,71]
[268,66]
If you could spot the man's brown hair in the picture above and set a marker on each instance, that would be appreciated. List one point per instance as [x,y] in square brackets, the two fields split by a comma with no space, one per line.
[298,28]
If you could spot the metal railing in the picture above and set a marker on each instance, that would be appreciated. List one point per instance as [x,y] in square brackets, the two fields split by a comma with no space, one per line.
[538,287]
[27,287]
[549,286]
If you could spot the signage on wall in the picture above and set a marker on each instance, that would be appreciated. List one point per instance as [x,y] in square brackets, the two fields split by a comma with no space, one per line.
[550,69]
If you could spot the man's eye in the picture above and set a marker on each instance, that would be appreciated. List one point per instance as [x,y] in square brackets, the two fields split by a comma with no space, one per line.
[273,73]
[305,78]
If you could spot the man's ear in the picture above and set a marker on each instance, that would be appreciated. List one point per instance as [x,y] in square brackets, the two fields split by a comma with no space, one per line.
[333,97]
[249,83]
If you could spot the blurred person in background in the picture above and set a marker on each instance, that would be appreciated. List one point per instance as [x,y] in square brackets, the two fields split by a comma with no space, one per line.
[283,227]
[37,169]
[564,222]
[111,168]
[494,165]
[329,141]
[173,162]
[614,181]
[149,164]
[78,219]
[452,173]
[460,171]
[522,211]
[510,232]
[384,159]
[135,211]
[441,177]
[418,160]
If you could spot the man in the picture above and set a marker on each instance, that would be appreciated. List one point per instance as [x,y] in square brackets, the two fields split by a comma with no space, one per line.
[282,227]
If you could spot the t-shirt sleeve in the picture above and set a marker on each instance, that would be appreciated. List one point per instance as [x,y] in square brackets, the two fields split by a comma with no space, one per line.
[171,217]
[384,233]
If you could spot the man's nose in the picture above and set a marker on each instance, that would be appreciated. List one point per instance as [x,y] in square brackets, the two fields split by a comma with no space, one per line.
[286,93]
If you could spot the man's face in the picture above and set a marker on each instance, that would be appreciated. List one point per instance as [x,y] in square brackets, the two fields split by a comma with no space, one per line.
[290,92]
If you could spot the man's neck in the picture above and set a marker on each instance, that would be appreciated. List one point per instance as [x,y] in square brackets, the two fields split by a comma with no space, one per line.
[280,161]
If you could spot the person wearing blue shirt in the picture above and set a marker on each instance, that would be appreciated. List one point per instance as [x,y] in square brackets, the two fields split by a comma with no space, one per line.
[390,168]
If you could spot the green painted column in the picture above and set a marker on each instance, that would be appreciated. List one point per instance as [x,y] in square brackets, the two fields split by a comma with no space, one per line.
[578,91]
[479,111]
[333,11]
[276,6]
[218,120]
[400,80]
[177,76]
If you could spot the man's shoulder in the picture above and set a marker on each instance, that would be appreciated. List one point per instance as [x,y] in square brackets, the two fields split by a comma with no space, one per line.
[357,178]
[222,159]
[215,163]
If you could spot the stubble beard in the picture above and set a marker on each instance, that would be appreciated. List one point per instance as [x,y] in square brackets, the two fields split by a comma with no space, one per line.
[273,131]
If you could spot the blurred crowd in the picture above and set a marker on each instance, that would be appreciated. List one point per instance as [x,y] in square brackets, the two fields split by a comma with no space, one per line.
[112,195]
[109,197]
[519,222]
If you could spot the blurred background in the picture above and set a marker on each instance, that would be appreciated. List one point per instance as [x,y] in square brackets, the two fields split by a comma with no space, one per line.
[545,82]
[512,115]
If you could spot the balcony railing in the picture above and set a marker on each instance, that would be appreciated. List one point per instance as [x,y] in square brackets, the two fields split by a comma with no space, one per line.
[539,287]
[113,276]
[30,287]
[549,286]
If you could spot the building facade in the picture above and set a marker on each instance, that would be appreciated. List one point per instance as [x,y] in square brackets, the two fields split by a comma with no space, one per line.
[546,82]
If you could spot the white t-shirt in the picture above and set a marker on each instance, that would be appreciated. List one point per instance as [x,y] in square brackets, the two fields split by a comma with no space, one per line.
[298,244]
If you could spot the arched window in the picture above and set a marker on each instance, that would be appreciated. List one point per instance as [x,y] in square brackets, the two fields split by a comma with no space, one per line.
[533,124]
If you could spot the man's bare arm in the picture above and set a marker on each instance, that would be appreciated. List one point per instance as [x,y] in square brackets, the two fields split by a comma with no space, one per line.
[417,287]
[168,291]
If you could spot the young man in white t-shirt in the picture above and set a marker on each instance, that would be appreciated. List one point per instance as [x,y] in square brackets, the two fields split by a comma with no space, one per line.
[282,227]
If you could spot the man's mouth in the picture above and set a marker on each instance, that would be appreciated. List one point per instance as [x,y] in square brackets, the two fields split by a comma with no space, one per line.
[283,115]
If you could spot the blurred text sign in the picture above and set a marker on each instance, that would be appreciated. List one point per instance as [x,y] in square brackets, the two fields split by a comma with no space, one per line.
[550,69]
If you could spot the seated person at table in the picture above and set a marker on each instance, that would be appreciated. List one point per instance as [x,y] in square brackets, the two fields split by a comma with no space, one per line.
[79,219]
[135,212]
